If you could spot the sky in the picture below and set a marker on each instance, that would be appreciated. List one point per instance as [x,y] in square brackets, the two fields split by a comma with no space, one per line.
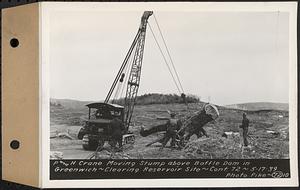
[224,57]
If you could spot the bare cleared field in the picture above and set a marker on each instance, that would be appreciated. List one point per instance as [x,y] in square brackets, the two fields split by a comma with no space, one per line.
[268,131]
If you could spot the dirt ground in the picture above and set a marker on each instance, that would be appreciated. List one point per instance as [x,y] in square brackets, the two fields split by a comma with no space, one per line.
[268,131]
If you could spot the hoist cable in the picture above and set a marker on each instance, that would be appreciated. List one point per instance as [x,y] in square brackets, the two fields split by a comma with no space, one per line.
[122,67]
[116,92]
[125,82]
[127,71]
[168,52]
[164,58]
[121,85]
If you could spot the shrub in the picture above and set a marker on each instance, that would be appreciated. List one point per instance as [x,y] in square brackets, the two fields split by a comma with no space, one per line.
[155,98]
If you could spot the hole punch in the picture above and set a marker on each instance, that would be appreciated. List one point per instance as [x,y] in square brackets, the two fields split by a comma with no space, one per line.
[14,144]
[14,42]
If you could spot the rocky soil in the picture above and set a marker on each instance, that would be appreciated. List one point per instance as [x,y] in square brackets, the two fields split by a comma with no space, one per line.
[268,134]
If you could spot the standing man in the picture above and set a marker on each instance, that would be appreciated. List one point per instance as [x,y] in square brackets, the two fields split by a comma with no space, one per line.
[245,126]
[172,126]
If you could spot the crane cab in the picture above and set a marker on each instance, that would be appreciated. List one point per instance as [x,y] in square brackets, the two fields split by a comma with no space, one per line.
[97,129]
[100,110]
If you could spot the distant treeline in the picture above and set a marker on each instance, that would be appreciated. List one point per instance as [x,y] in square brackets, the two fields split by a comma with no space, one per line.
[154,98]
[55,104]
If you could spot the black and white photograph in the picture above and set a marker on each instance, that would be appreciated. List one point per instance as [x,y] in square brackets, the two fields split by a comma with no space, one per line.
[150,94]
[153,91]
[183,85]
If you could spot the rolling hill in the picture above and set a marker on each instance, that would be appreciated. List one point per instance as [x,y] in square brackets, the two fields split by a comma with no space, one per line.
[260,106]
[146,99]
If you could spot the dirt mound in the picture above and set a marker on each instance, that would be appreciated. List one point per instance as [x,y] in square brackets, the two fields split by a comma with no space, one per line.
[214,147]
